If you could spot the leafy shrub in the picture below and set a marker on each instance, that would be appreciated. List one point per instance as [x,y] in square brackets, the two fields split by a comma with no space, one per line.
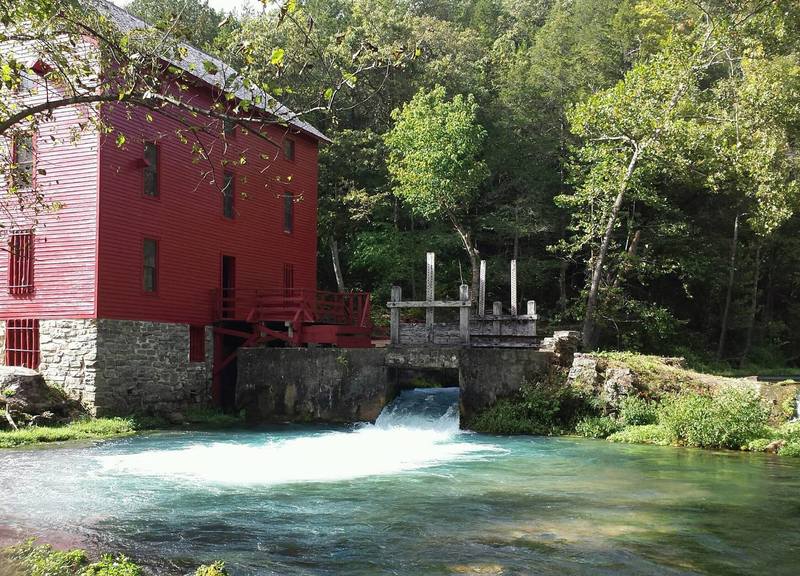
[790,449]
[545,407]
[635,411]
[647,434]
[759,444]
[33,560]
[729,419]
[597,426]
[789,432]
[215,569]
[507,417]
[112,566]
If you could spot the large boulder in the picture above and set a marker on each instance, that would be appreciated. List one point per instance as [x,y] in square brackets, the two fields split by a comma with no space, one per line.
[25,395]
[619,383]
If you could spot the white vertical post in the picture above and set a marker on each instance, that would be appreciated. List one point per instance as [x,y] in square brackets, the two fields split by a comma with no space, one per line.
[463,314]
[513,287]
[394,313]
[532,314]
[430,282]
[482,290]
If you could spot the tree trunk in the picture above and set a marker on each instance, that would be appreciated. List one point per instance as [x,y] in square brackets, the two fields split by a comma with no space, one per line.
[474,258]
[631,252]
[597,272]
[337,266]
[751,317]
[731,275]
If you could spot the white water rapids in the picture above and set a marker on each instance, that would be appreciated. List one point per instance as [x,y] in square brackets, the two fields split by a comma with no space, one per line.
[418,430]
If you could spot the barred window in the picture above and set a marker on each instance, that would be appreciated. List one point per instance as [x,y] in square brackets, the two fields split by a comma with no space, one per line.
[20,262]
[22,343]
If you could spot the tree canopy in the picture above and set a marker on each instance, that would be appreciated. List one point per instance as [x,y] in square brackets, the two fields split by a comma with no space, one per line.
[610,146]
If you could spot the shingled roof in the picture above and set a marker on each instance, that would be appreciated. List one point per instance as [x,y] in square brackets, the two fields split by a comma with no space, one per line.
[211,70]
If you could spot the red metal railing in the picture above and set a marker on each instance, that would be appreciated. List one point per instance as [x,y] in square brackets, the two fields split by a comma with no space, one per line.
[293,305]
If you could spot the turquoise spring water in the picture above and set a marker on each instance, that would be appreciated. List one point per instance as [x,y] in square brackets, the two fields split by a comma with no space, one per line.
[410,495]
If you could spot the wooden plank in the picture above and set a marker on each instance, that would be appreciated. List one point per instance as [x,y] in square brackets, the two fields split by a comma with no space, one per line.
[397,296]
[463,319]
[430,286]
[426,304]
[482,290]
[513,287]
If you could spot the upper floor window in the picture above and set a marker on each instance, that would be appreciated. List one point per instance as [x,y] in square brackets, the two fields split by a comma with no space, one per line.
[288,212]
[288,149]
[150,265]
[20,262]
[22,159]
[228,191]
[151,169]
[229,128]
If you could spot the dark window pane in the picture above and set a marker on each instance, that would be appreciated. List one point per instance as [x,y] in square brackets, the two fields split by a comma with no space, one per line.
[228,191]
[23,160]
[288,149]
[197,343]
[229,127]
[150,269]
[151,169]
[288,212]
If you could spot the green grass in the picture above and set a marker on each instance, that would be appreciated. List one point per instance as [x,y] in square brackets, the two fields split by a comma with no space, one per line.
[81,430]
[100,428]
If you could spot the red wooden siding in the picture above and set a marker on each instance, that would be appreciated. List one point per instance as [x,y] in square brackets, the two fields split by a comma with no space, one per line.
[65,241]
[187,220]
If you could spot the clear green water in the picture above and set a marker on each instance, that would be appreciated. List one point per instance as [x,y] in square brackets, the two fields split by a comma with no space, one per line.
[411,496]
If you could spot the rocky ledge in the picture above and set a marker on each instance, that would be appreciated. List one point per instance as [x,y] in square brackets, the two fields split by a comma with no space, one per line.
[26,400]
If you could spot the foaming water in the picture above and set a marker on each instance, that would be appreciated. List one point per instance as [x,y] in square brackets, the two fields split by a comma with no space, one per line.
[418,430]
[410,495]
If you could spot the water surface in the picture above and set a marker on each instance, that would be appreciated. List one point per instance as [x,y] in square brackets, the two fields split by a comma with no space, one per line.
[410,495]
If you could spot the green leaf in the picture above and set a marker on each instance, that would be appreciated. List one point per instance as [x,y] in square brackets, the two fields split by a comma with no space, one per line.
[277,56]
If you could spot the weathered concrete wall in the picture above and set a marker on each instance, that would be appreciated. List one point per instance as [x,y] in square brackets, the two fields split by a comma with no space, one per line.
[313,384]
[68,357]
[144,367]
[333,385]
[488,374]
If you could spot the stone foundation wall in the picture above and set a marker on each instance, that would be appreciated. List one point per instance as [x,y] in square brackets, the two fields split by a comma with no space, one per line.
[143,367]
[68,357]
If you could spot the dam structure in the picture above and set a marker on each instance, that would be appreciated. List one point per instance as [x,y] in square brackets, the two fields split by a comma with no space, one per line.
[487,356]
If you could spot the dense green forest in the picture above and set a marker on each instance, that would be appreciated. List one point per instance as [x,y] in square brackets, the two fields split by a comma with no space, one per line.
[637,157]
